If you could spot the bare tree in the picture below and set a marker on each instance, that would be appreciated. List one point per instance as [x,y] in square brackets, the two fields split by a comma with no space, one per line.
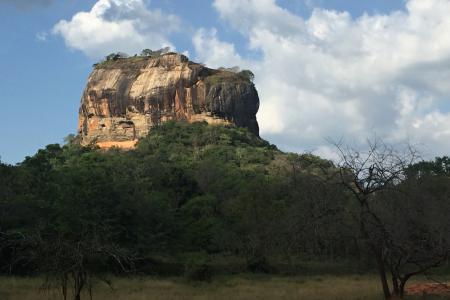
[377,178]
[66,263]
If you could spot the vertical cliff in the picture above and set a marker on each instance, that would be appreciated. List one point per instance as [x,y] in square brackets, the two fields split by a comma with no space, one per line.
[124,98]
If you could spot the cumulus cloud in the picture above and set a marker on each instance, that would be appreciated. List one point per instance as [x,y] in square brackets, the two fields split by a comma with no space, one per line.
[117,25]
[333,75]
[213,52]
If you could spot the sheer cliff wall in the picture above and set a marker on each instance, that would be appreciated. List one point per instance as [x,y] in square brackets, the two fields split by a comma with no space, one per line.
[124,98]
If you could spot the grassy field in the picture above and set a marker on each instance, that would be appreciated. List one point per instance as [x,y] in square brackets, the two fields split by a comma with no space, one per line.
[230,287]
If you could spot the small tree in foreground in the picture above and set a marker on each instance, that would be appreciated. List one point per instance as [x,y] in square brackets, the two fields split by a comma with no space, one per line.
[397,222]
[67,262]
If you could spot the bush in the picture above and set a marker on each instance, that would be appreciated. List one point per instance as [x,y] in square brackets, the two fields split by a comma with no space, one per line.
[199,272]
[198,269]
[259,264]
[247,74]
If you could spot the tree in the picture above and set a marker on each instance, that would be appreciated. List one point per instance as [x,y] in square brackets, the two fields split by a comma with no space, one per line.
[149,52]
[402,242]
[247,74]
[164,50]
[146,52]
[77,224]
[415,216]
[439,167]
[116,56]
[65,261]
[70,138]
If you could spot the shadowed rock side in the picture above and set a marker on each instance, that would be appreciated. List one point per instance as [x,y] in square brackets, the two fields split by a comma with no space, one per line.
[123,99]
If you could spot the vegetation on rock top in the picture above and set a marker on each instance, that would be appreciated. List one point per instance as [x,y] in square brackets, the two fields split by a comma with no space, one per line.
[120,60]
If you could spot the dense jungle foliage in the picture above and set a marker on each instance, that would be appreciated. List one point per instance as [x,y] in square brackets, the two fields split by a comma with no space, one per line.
[193,199]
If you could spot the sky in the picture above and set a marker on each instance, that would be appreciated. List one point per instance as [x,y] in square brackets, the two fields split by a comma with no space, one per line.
[324,69]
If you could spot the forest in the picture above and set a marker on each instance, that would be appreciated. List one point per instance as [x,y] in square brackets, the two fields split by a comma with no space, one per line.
[197,201]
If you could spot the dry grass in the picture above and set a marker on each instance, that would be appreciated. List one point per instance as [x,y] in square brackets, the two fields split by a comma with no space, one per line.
[236,287]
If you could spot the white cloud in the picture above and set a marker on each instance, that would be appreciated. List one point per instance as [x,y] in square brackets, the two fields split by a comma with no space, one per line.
[332,75]
[117,25]
[213,52]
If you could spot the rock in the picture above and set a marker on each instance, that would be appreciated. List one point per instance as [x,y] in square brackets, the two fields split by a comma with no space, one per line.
[124,98]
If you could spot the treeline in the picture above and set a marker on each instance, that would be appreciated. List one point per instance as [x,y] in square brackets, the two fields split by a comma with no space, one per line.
[191,194]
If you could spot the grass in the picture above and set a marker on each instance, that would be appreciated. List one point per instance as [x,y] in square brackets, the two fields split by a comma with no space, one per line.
[227,287]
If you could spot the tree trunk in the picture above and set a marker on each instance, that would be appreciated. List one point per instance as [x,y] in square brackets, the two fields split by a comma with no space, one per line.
[395,286]
[64,291]
[64,286]
[78,285]
[377,251]
[382,273]
[402,287]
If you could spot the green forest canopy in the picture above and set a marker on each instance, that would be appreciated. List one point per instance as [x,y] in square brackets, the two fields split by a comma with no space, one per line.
[190,196]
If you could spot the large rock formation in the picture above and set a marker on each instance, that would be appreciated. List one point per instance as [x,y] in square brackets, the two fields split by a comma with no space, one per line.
[126,97]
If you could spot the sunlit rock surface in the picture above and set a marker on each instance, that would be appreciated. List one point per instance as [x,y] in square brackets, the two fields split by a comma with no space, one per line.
[123,99]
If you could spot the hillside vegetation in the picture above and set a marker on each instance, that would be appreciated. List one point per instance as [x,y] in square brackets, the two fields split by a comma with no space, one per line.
[194,200]
[187,188]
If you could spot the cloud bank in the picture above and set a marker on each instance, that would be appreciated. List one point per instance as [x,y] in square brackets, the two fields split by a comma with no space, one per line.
[117,25]
[332,75]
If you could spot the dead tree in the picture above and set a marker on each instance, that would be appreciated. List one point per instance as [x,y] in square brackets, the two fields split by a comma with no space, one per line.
[380,171]
[64,262]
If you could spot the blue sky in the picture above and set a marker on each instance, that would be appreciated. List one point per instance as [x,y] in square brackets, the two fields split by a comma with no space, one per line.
[321,65]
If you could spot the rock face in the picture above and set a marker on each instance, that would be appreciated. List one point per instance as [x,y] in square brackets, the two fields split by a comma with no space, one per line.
[123,99]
